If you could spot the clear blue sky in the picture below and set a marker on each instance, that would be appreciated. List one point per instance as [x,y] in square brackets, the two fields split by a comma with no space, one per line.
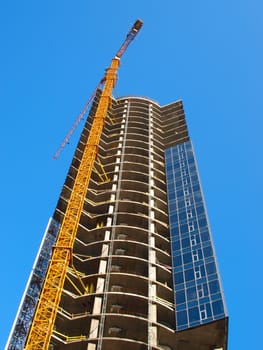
[208,53]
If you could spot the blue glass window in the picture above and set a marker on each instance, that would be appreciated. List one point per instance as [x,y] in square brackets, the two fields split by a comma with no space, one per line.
[182,318]
[176,245]
[187,257]
[191,293]
[177,260]
[193,314]
[218,308]
[180,297]
[189,275]
[178,277]
[208,252]
[210,268]
[205,236]
[185,242]
[214,287]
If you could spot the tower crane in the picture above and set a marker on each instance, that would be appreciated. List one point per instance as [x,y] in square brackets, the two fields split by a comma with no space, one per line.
[44,318]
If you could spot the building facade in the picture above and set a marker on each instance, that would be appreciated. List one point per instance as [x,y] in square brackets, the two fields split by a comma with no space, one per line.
[144,272]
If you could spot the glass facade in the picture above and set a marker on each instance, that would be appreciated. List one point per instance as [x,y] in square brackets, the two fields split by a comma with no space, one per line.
[197,288]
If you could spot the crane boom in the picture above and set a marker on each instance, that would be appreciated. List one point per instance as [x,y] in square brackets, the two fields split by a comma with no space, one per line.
[44,318]
[130,36]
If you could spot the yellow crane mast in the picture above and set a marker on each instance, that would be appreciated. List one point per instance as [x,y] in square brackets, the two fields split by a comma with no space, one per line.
[45,314]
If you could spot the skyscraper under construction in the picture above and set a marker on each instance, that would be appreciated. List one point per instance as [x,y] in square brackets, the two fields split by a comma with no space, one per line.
[141,273]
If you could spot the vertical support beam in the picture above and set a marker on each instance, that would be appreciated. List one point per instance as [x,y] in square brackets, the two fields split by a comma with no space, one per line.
[116,178]
[151,251]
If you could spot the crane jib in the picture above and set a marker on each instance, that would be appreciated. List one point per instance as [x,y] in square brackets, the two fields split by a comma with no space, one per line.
[130,36]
